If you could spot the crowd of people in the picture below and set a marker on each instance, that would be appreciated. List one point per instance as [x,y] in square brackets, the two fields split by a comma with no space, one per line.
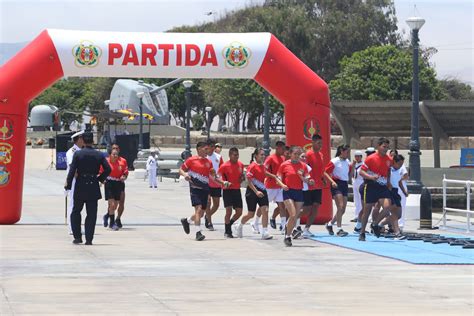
[291,177]
[294,179]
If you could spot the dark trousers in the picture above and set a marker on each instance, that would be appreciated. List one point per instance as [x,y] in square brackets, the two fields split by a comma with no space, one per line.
[91,218]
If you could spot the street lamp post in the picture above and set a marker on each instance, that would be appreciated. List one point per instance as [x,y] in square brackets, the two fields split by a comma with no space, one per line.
[415,24]
[109,138]
[187,85]
[140,95]
[208,121]
[266,125]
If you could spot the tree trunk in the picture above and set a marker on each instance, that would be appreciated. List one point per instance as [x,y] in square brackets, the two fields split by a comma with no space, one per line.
[251,123]
[221,122]
[244,123]
[236,125]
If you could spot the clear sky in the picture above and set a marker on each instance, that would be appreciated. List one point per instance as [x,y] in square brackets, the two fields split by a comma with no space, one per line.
[449,23]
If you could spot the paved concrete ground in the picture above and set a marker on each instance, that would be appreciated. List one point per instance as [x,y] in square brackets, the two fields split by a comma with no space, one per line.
[151,267]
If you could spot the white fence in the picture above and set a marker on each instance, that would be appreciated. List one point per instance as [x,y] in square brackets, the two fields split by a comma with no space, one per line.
[467,211]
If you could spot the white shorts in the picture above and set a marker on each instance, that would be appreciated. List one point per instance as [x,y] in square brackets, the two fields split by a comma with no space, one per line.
[275,195]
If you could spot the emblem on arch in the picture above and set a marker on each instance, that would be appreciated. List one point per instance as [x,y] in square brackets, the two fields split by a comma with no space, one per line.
[86,54]
[311,127]
[236,55]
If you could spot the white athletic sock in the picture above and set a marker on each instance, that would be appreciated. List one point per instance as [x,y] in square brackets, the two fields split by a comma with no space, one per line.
[198,227]
[283,222]
[264,230]
[329,223]
[241,225]
[298,222]
[190,221]
[256,221]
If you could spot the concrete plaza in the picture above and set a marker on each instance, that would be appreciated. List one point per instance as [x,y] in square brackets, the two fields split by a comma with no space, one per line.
[151,267]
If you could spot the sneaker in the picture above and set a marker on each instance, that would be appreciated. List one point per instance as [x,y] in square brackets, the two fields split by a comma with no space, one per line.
[228,235]
[266,236]
[330,230]
[376,230]
[400,237]
[255,228]
[299,229]
[118,222]
[106,219]
[296,234]
[184,222]
[211,227]
[362,237]
[77,241]
[287,242]
[238,231]
[88,243]
[342,233]
[200,236]
[357,230]
[115,227]
[273,224]
[206,222]
[307,234]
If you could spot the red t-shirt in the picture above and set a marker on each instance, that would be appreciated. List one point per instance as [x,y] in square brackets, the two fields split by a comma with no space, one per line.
[376,164]
[231,172]
[199,169]
[272,163]
[316,161]
[291,173]
[119,168]
[256,175]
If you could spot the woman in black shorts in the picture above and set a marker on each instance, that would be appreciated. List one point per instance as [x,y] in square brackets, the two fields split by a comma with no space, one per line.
[114,186]
[256,193]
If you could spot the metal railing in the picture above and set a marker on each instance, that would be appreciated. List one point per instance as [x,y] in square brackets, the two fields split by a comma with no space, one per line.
[467,211]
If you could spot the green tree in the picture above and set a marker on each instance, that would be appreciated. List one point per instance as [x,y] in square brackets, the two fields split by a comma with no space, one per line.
[456,90]
[383,73]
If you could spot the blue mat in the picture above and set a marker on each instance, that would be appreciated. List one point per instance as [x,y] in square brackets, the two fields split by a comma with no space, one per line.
[411,251]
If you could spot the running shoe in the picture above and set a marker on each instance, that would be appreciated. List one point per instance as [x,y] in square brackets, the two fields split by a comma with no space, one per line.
[362,237]
[330,230]
[106,219]
[206,222]
[115,227]
[307,234]
[118,222]
[299,229]
[255,228]
[184,222]
[376,229]
[357,230]
[296,234]
[211,227]
[200,236]
[342,233]
[273,223]
[266,236]
[287,242]
[400,237]
[228,235]
[238,230]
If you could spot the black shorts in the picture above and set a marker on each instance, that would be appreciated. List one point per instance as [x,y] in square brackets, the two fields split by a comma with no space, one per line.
[342,188]
[113,189]
[252,199]
[312,196]
[215,192]
[199,197]
[372,192]
[396,198]
[293,194]
[232,198]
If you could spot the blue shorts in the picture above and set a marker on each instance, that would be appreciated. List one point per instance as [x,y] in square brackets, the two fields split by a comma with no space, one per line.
[295,195]
[342,188]
[396,198]
[199,197]
[372,192]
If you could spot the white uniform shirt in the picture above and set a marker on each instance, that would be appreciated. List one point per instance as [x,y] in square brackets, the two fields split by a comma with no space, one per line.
[151,163]
[395,177]
[215,158]
[403,171]
[305,185]
[340,168]
[70,155]
[358,179]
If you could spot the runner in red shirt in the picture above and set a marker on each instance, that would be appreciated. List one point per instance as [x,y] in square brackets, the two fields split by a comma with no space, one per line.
[313,197]
[256,193]
[232,172]
[114,186]
[293,173]
[197,170]
[274,191]
[377,187]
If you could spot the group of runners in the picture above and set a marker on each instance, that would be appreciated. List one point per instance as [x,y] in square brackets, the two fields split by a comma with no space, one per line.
[294,180]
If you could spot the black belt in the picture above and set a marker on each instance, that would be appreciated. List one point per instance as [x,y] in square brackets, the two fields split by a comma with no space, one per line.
[88,176]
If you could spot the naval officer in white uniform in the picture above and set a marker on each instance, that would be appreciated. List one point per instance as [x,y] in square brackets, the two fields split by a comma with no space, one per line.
[78,144]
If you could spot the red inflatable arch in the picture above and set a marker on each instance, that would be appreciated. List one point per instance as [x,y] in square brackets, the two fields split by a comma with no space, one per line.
[58,53]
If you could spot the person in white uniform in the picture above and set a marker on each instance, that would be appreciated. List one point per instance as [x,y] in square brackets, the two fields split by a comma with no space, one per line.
[357,180]
[78,144]
[151,166]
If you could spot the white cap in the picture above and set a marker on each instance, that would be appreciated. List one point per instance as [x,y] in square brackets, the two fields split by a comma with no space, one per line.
[77,134]
[358,153]
[369,150]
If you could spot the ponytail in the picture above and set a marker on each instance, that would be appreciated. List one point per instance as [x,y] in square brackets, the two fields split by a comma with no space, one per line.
[255,153]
